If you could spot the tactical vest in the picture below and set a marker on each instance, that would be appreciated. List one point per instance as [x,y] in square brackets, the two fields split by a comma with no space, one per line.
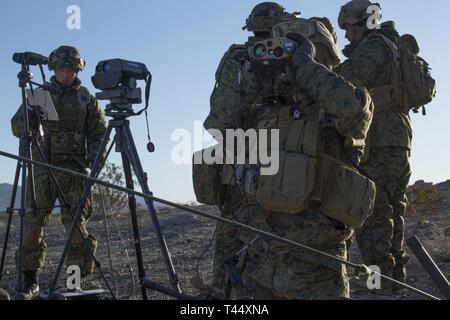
[68,136]
[308,173]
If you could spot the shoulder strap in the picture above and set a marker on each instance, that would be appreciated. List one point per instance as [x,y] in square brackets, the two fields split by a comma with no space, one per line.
[396,85]
[83,96]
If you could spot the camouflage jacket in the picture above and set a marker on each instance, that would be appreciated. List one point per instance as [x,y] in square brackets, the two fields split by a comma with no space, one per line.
[238,90]
[225,100]
[347,110]
[77,136]
[370,65]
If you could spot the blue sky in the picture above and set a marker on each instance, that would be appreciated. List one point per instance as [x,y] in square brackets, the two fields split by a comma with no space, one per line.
[182,42]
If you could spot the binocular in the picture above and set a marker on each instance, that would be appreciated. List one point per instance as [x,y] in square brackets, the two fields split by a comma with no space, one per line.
[273,49]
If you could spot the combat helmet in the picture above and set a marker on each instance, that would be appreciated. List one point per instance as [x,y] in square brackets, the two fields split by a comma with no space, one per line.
[264,17]
[66,56]
[327,52]
[354,12]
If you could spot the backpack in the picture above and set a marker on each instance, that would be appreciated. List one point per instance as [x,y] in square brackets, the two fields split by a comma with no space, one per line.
[417,81]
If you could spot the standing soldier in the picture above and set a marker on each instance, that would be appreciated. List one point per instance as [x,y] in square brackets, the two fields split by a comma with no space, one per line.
[322,121]
[71,143]
[225,103]
[374,63]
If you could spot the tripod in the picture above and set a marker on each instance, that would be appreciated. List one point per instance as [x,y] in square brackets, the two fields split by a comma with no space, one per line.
[29,141]
[124,144]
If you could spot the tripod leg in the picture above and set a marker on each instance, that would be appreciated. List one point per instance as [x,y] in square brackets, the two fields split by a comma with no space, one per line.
[66,203]
[10,214]
[133,156]
[132,206]
[81,203]
[26,149]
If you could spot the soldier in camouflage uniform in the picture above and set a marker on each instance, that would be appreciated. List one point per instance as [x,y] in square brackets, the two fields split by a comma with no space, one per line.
[270,270]
[225,101]
[71,143]
[371,64]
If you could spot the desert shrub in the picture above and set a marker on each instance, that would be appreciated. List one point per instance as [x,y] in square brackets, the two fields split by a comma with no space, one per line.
[424,201]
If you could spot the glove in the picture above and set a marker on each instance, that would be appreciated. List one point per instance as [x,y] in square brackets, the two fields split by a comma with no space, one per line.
[247,178]
[36,114]
[305,51]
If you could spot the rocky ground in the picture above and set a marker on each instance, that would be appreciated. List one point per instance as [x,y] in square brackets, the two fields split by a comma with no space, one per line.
[189,239]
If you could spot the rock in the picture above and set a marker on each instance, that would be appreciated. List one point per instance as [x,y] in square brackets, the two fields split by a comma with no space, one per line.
[447,232]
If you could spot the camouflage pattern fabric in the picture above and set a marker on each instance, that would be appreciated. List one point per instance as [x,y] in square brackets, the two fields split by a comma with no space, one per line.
[387,154]
[46,195]
[265,16]
[70,143]
[370,65]
[225,103]
[274,271]
[227,238]
[381,240]
[225,99]
[66,57]
[77,136]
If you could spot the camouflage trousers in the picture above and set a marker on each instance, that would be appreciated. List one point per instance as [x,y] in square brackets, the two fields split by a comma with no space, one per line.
[273,271]
[381,239]
[227,238]
[46,196]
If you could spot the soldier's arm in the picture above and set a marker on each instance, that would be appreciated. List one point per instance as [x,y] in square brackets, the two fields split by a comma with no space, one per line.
[351,106]
[17,123]
[225,98]
[95,128]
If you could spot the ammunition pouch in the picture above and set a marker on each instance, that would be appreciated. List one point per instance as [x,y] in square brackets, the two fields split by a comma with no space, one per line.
[205,178]
[345,195]
[288,191]
[308,175]
[211,181]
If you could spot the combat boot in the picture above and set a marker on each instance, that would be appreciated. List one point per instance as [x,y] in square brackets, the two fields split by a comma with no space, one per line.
[30,289]
[399,274]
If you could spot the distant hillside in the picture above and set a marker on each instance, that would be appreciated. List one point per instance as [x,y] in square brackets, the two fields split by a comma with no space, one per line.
[5,196]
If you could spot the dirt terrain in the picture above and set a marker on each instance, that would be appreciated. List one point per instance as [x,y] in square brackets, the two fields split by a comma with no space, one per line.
[188,237]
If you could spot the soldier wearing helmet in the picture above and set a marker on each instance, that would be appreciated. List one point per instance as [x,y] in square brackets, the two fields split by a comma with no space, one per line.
[372,63]
[225,101]
[245,98]
[72,143]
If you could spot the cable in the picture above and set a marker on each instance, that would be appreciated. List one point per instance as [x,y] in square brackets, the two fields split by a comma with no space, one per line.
[358,267]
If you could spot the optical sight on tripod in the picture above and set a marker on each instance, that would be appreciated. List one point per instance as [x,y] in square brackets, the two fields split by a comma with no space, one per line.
[117,79]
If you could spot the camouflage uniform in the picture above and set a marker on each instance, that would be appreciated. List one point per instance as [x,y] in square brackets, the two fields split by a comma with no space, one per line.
[370,64]
[71,143]
[225,103]
[270,270]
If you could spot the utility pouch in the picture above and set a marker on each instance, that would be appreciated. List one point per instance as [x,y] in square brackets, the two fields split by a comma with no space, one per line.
[290,189]
[205,179]
[348,197]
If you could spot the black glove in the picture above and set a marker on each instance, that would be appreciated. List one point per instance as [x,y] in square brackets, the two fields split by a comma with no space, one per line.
[36,114]
[305,51]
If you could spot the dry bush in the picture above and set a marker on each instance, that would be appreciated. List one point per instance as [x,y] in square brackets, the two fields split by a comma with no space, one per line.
[114,199]
[424,201]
